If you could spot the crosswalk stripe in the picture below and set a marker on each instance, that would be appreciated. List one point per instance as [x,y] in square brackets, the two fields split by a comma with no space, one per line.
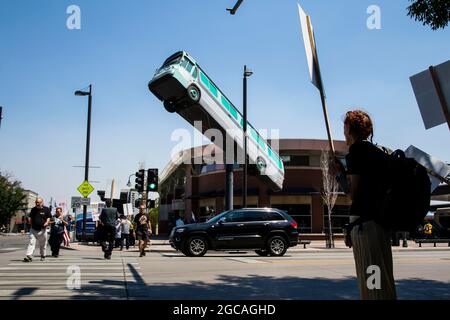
[247,260]
[52,275]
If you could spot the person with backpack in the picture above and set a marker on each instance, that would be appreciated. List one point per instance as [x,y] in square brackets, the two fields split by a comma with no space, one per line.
[57,232]
[108,220]
[367,176]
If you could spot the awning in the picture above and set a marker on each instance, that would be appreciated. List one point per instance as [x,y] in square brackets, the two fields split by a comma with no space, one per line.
[294,191]
[436,204]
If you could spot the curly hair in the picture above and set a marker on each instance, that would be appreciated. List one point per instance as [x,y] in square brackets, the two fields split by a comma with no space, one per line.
[359,124]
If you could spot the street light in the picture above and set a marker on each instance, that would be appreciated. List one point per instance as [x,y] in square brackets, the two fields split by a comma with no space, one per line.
[129,180]
[236,6]
[80,93]
[247,73]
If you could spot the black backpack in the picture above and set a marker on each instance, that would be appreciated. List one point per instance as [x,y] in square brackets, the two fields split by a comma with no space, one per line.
[407,198]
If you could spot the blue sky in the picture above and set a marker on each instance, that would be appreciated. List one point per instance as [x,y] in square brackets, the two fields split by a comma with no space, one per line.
[121,43]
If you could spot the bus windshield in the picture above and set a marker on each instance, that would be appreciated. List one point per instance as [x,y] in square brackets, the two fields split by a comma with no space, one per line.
[172,61]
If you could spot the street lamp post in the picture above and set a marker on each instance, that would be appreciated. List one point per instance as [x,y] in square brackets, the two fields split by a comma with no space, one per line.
[80,93]
[247,73]
[129,180]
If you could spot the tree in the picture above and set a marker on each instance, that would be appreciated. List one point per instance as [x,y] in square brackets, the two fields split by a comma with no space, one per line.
[12,198]
[435,13]
[329,191]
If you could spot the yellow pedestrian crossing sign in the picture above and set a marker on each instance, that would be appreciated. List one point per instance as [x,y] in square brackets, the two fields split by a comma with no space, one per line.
[85,189]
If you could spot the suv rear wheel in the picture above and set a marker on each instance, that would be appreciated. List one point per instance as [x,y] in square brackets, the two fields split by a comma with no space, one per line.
[196,246]
[277,246]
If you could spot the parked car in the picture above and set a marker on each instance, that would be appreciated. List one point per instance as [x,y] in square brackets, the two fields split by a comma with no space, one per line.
[267,231]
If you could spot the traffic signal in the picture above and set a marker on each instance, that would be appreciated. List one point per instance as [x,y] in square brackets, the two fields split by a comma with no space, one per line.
[101,194]
[152,180]
[151,204]
[139,186]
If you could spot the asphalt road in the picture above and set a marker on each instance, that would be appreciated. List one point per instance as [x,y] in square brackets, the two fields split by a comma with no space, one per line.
[13,242]
[170,275]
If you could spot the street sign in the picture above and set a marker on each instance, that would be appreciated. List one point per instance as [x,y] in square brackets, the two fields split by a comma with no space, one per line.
[75,202]
[85,189]
[432,90]
[85,201]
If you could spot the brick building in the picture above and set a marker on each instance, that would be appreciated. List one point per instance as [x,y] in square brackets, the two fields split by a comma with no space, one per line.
[187,188]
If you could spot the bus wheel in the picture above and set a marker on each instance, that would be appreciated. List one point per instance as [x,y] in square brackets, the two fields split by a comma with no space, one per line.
[261,164]
[170,106]
[193,93]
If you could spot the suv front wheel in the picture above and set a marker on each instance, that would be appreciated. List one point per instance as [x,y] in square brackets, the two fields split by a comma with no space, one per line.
[196,246]
[277,246]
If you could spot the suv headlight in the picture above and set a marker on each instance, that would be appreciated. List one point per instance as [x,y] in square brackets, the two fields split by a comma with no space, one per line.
[180,230]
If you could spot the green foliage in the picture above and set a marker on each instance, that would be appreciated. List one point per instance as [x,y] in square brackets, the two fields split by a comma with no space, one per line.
[153,213]
[12,198]
[435,13]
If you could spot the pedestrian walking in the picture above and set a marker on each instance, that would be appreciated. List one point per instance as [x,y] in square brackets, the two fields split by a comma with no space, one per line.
[39,219]
[118,236]
[57,230]
[108,220]
[132,232]
[366,174]
[143,229]
[125,225]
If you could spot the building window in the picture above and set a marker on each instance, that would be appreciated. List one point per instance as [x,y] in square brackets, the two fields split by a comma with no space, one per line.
[295,161]
[301,213]
[340,216]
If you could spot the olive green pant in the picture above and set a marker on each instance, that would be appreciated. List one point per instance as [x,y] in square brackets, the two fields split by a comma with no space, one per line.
[373,261]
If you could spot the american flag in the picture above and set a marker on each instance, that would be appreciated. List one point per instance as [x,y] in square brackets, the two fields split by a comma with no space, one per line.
[66,238]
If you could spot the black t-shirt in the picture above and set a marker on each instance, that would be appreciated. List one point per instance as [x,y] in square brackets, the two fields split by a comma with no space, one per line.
[109,216]
[371,164]
[38,217]
[139,225]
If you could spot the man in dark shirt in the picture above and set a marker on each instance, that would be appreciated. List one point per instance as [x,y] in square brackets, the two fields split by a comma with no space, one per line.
[39,219]
[108,220]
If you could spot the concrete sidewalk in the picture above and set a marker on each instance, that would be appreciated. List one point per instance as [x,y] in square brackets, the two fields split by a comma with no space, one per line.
[316,246]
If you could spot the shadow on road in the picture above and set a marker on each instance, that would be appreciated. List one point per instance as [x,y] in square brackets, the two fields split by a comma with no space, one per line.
[227,287]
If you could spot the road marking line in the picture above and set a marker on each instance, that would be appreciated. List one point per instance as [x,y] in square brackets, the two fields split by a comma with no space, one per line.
[247,260]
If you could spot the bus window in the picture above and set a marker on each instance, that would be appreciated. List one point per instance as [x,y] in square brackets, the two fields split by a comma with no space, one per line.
[233,112]
[226,103]
[184,63]
[213,89]
[253,134]
[261,142]
[205,79]
[194,73]
[189,66]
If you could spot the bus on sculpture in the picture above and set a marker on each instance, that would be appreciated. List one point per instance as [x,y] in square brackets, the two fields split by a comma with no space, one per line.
[183,87]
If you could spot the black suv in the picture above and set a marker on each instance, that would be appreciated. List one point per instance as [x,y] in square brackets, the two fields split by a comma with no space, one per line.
[265,230]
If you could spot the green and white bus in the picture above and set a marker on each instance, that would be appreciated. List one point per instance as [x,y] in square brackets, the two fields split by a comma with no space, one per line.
[184,87]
